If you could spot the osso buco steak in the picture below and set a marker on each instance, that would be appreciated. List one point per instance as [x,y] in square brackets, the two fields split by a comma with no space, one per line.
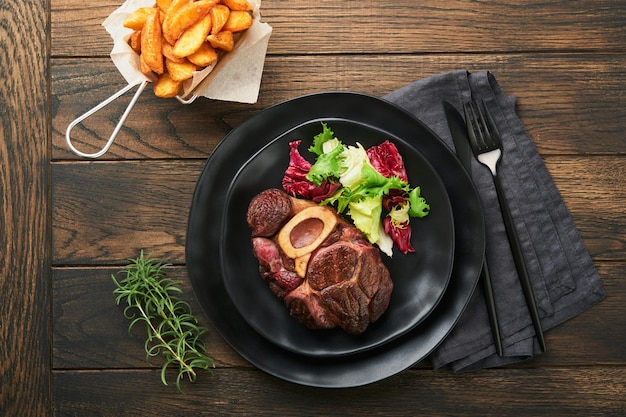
[322,267]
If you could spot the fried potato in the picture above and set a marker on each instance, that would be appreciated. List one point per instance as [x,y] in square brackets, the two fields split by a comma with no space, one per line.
[172,10]
[180,71]
[175,38]
[186,16]
[219,15]
[151,43]
[145,69]
[238,4]
[137,19]
[223,40]
[192,38]
[204,56]
[168,52]
[135,41]
[238,21]
[165,87]
[163,4]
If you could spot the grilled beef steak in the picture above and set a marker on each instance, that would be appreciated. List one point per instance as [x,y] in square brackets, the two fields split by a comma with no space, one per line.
[322,267]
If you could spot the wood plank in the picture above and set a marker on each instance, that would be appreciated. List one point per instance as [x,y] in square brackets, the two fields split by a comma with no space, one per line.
[106,213]
[590,392]
[89,330]
[398,26]
[119,208]
[594,193]
[24,228]
[569,103]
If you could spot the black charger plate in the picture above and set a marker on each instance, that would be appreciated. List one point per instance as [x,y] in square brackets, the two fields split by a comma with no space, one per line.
[205,231]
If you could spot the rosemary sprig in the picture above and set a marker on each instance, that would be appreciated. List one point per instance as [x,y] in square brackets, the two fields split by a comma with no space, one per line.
[172,331]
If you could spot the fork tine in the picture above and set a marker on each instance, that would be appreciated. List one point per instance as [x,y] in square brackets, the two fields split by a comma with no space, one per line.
[489,126]
[475,135]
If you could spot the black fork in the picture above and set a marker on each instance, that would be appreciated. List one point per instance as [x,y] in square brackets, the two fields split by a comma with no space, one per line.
[486,144]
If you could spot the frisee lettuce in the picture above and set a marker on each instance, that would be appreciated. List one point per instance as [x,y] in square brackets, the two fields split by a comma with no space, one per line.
[321,138]
[363,188]
[419,206]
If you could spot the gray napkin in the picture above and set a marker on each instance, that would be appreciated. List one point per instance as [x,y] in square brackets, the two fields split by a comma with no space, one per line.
[563,276]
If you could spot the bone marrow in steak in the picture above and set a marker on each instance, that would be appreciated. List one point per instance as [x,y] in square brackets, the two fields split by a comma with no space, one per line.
[322,267]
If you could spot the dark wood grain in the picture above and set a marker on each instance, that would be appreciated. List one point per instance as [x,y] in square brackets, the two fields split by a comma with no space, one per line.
[67,224]
[235,392]
[116,209]
[399,26]
[91,332]
[24,280]
[598,214]
[569,103]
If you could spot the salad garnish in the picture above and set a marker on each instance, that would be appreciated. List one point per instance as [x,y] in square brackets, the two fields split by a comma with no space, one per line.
[369,185]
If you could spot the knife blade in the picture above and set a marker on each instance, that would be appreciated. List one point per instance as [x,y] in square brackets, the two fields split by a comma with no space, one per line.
[458,130]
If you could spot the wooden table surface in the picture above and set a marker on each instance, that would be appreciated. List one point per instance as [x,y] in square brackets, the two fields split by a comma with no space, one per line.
[67,224]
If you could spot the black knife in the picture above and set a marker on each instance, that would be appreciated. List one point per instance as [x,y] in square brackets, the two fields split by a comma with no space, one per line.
[458,130]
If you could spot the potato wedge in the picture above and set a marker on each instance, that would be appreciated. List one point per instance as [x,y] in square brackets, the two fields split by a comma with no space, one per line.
[151,43]
[163,4]
[192,38]
[223,40]
[144,68]
[137,19]
[204,56]
[165,87]
[168,52]
[238,4]
[180,71]
[238,21]
[186,16]
[172,10]
[135,41]
[219,15]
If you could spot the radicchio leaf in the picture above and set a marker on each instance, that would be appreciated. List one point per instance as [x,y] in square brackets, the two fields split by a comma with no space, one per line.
[295,181]
[387,160]
[401,235]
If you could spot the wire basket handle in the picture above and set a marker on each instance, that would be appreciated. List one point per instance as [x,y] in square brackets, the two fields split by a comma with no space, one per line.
[106,102]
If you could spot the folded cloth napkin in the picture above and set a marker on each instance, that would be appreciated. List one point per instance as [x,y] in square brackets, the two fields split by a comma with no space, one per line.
[562,273]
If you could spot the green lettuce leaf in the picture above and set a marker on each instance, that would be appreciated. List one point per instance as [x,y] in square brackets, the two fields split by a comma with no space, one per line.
[327,165]
[365,215]
[419,207]
[321,138]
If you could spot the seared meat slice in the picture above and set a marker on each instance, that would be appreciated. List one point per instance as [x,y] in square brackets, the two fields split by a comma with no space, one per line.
[322,267]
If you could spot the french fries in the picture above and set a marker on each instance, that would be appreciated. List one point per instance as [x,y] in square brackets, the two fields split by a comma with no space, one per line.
[175,38]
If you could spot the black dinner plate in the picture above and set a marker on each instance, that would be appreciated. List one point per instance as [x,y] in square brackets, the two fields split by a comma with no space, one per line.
[205,228]
[420,278]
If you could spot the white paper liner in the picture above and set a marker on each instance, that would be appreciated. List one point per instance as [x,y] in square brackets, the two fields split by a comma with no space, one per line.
[235,77]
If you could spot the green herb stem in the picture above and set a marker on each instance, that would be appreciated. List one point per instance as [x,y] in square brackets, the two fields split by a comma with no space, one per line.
[172,330]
